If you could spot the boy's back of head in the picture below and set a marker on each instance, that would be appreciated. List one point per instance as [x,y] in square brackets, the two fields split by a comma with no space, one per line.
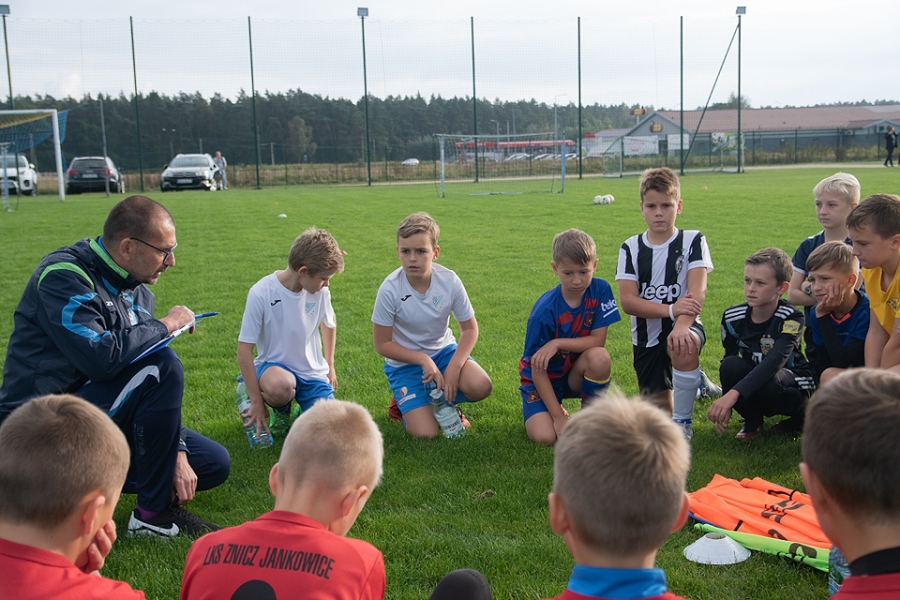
[775,258]
[420,222]
[835,255]
[54,450]
[317,250]
[844,185]
[879,212]
[335,443]
[574,245]
[620,468]
[662,180]
[850,441]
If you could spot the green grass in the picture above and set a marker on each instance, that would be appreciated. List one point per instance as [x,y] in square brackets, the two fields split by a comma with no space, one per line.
[429,515]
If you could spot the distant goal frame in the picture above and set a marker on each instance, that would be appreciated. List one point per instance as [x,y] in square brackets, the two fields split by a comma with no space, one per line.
[57,150]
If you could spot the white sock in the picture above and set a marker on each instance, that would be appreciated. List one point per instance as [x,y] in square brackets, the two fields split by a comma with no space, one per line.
[684,384]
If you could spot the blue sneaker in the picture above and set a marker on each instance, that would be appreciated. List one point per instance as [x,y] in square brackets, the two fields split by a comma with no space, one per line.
[708,389]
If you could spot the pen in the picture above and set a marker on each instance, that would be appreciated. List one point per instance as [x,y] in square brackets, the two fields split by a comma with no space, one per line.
[206,314]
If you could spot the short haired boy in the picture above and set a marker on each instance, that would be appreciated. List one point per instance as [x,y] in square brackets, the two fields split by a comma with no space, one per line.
[619,475]
[662,285]
[330,463]
[62,466]
[411,329]
[851,469]
[763,371]
[874,227]
[564,353]
[841,313]
[285,313]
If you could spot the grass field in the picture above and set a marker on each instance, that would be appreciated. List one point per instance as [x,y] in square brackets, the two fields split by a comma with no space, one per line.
[430,515]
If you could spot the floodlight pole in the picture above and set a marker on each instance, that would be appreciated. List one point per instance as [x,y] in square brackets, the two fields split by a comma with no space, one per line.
[741,10]
[137,106]
[362,13]
[4,10]
[253,101]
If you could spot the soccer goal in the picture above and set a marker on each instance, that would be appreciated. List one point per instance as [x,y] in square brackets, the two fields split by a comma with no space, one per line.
[486,165]
[20,130]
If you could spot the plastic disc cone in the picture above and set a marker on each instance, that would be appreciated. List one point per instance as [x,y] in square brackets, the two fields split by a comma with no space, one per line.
[716,549]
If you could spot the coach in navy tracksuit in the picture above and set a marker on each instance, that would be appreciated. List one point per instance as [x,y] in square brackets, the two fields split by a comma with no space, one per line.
[84,317]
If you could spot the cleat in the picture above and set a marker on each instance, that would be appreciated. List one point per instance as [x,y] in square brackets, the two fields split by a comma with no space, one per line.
[173,521]
[686,426]
[708,389]
[394,410]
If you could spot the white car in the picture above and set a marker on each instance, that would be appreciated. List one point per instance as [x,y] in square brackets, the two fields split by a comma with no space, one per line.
[23,179]
[410,162]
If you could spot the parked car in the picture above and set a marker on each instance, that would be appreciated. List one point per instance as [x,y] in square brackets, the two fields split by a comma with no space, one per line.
[410,162]
[23,178]
[190,172]
[88,174]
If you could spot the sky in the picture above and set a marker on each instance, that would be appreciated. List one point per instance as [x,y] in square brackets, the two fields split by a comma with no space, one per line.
[793,52]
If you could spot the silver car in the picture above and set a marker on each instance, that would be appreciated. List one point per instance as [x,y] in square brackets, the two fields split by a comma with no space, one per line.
[190,172]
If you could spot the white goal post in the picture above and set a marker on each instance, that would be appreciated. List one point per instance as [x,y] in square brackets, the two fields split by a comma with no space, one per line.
[10,118]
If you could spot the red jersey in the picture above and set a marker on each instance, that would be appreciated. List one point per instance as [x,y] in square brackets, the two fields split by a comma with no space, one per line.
[570,595]
[870,587]
[282,555]
[30,572]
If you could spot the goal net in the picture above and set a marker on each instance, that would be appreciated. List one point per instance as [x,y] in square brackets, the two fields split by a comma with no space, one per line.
[21,130]
[506,164]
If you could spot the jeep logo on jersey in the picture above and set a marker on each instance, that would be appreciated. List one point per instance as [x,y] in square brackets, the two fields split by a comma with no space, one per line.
[310,306]
[667,293]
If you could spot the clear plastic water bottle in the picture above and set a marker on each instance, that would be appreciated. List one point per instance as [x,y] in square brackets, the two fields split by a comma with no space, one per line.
[243,403]
[838,570]
[447,416]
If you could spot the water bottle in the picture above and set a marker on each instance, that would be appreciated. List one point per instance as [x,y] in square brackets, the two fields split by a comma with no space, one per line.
[446,415]
[838,570]
[243,403]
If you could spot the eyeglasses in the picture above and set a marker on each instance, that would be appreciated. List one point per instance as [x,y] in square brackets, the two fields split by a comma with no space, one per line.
[166,253]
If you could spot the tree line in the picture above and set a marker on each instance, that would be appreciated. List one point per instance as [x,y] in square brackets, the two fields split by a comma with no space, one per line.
[295,126]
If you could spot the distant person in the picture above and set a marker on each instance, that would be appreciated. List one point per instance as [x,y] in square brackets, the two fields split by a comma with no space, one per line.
[662,285]
[84,322]
[763,372]
[565,336]
[890,142]
[874,227]
[56,504]
[222,164]
[329,466]
[411,330]
[619,473]
[851,470]
[290,322]
[840,317]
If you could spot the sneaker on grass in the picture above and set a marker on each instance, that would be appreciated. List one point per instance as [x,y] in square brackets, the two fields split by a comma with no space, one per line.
[280,421]
[173,521]
[708,388]
[687,427]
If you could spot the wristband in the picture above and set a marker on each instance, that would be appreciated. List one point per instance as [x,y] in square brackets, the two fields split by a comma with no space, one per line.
[671,313]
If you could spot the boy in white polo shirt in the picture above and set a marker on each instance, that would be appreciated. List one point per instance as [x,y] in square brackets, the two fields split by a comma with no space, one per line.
[411,329]
[284,316]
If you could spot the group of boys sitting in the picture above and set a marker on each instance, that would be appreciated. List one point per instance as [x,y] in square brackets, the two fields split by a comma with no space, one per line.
[617,461]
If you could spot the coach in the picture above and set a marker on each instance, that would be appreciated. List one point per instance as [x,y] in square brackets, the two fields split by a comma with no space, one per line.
[85,316]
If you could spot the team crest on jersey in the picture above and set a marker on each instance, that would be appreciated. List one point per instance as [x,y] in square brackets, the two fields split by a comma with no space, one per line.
[679,262]
[438,301]
[310,306]
[533,397]
[892,302]
[588,318]
[765,344]
[790,327]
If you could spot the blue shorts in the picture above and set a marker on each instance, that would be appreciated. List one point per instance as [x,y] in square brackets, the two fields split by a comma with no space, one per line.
[308,391]
[532,403]
[406,381]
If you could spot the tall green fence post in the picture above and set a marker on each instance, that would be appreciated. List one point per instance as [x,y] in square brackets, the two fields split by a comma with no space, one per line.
[137,106]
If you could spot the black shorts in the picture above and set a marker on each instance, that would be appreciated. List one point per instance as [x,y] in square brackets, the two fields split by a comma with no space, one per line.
[654,367]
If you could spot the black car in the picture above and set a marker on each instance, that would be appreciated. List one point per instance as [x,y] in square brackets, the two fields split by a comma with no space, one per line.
[190,172]
[88,174]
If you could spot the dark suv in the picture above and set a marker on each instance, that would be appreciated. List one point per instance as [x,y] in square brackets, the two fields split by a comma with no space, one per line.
[88,174]
[190,172]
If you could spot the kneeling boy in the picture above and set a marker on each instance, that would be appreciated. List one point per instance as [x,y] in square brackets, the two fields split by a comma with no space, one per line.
[763,372]
[284,316]
[619,475]
[62,466]
[564,355]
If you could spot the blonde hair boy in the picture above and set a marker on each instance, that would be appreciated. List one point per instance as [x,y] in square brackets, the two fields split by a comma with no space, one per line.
[851,469]
[576,246]
[419,222]
[619,474]
[317,250]
[62,466]
[329,465]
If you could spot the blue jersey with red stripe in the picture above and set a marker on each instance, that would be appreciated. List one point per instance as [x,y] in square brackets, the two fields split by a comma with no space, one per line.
[552,318]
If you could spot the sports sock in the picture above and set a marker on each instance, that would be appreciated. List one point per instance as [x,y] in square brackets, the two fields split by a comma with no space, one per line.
[145,514]
[591,389]
[684,384]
